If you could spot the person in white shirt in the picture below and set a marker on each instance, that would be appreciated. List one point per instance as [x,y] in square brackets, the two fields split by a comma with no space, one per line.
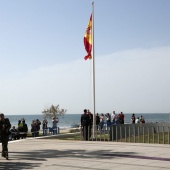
[113,117]
[137,120]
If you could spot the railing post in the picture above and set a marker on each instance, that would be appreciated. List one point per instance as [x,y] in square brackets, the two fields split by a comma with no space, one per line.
[125,133]
[112,134]
[163,134]
[153,135]
[116,133]
[148,135]
[121,133]
[134,133]
[81,132]
[100,132]
[104,134]
[129,133]
[158,134]
[95,132]
[138,134]
[108,129]
[143,134]
[168,136]
[88,133]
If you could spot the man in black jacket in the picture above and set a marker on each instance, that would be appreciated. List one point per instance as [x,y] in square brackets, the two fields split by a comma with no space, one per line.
[85,124]
[4,133]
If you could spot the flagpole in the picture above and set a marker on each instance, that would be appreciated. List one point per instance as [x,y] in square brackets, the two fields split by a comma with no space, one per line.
[93,57]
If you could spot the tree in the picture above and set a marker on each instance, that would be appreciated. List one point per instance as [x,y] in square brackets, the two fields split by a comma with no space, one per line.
[53,111]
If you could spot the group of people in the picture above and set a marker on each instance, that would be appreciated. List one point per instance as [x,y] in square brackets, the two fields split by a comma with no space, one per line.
[138,119]
[35,126]
[86,124]
[100,120]
[21,131]
[109,119]
[6,131]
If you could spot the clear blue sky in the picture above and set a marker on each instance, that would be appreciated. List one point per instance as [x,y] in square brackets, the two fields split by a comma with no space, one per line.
[42,51]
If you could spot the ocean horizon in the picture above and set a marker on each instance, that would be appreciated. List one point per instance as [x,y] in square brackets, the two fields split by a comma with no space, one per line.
[67,120]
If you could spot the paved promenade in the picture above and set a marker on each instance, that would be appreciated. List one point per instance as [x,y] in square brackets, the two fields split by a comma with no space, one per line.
[50,154]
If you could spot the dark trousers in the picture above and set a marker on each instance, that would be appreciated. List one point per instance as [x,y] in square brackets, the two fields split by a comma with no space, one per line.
[4,140]
[35,134]
[86,130]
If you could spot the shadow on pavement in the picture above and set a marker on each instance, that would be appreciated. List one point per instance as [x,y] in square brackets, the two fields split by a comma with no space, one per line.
[7,165]
[42,155]
[35,158]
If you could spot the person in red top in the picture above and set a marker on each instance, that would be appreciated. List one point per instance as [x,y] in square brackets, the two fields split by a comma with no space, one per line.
[133,118]
[122,117]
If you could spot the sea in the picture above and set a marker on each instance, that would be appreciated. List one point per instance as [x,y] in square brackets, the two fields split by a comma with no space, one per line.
[67,120]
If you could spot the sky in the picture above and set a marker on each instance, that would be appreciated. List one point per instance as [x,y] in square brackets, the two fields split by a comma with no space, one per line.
[42,56]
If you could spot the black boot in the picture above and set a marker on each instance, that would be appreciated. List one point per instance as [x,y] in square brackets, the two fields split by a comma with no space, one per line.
[3,154]
[6,155]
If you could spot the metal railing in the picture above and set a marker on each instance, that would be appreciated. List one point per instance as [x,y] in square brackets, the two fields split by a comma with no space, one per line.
[136,133]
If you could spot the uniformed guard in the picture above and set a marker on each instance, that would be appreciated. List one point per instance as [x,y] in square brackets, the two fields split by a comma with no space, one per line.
[4,133]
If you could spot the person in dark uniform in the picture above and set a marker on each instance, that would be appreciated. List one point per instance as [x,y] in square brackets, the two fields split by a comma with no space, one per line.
[85,124]
[97,121]
[91,122]
[5,126]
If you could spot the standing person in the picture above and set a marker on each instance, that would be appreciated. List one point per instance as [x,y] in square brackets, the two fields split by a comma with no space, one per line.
[91,122]
[20,127]
[113,117]
[101,121]
[85,123]
[97,121]
[5,126]
[141,118]
[54,125]
[137,120]
[108,118]
[133,118]
[25,129]
[34,129]
[44,126]
[38,123]
[122,117]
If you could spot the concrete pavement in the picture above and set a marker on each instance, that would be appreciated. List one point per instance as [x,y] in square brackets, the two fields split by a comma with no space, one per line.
[50,154]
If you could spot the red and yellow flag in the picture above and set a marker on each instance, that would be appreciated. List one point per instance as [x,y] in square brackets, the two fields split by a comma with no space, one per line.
[88,39]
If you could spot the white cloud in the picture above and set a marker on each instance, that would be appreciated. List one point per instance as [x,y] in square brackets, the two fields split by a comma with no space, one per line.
[130,81]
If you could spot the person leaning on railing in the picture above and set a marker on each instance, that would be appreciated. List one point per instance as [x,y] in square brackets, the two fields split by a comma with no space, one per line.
[97,121]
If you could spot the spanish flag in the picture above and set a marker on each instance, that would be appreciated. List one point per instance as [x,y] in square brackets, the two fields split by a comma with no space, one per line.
[88,39]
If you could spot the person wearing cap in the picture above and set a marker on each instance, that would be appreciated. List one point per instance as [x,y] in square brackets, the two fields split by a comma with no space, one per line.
[5,125]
